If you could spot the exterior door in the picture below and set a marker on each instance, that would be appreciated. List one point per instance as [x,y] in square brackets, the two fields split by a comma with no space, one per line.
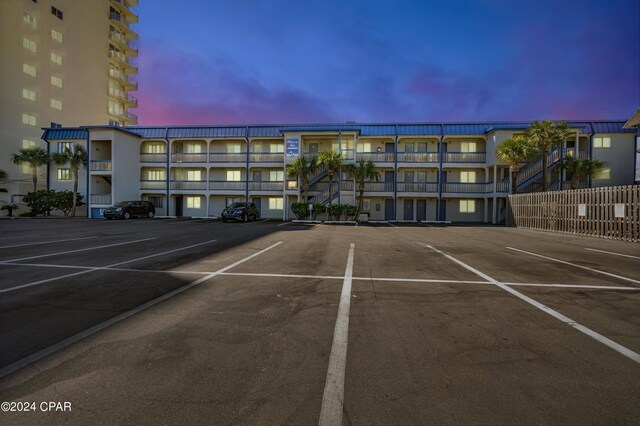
[389,207]
[257,175]
[408,209]
[389,178]
[388,148]
[313,149]
[258,203]
[179,200]
[421,210]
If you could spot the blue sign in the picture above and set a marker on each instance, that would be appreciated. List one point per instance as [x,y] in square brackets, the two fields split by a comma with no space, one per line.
[292,147]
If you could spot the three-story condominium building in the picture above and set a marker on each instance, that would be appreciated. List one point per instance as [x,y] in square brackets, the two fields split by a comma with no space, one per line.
[428,171]
[64,62]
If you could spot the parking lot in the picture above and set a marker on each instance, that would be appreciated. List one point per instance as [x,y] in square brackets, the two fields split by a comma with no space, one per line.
[194,321]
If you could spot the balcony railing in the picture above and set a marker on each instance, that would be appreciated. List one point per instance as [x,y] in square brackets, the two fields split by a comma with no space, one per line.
[477,187]
[189,184]
[153,184]
[501,186]
[266,157]
[227,185]
[347,185]
[225,157]
[376,186]
[417,187]
[100,165]
[266,186]
[147,157]
[184,157]
[465,157]
[376,157]
[101,199]
[418,157]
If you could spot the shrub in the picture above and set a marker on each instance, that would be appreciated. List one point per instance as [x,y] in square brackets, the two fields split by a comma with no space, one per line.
[63,201]
[301,210]
[318,208]
[40,202]
[350,211]
[334,211]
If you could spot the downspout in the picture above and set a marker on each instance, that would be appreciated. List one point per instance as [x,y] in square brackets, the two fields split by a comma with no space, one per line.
[440,161]
[590,149]
[339,171]
[246,186]
[88,196]
[168,178]
[44,138]
[395,175]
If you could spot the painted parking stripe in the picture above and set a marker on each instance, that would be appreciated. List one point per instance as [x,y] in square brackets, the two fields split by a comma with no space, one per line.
[333,396]
[79,250]
[88,332]
[613,253]
[46,242]
[620,277]
[634,356]
[48,280]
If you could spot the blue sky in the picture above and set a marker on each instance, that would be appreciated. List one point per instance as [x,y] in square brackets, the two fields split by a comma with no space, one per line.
[283,61]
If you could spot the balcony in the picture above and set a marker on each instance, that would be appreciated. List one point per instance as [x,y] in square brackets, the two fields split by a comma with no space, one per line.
[124,6]
[224,185]
[122,23]
[185,157]
[224,157]
[376,157]
[120,76]
[418,187]
[501,186]
[266,157]
[189,184]
[103,199]
[476,187]
[266,186]
[377,187]
[465,157]
[148,157]
[100,165]
[418,157]
[153,184]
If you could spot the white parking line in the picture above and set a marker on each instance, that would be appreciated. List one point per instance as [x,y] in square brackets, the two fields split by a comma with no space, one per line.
[615,254]
[78,250]
[6,290]
[620,277]
[333,396]
[88,332]
[594,335]
[46,242]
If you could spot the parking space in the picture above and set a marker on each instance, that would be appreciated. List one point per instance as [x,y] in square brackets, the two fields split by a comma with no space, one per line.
[265,323]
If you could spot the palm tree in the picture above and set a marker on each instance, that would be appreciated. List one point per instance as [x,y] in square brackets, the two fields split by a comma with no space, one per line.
[361,172]
[302,169]
[514,151]
[34,157]
[578,168]
[76,159]
[546,134]
[331,161]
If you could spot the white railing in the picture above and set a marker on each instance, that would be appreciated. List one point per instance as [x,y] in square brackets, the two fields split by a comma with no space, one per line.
[101,199]
[476,187]
[417,187]
[266,157]
[418,157]
[465,157]
[226,185]
[376,157]
[225,157]
[183,157]
[266,186]
[377,186]
[189,184]
[100,165]
[148,157]
[153,184]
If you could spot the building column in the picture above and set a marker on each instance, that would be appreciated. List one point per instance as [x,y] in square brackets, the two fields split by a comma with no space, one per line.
[486,210]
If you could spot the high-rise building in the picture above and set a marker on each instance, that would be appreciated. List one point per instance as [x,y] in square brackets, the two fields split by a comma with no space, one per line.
[63,63]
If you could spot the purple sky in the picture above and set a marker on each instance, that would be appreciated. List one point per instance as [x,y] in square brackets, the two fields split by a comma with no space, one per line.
[292,61]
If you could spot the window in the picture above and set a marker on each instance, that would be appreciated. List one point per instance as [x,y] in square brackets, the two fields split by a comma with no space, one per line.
[468,147]
[56,81]
[193,148]
[276,176]
[233,175]
[421,176]
[29,94]
[155,148]
[602,142]
[28,143]
[156,200]
[193,202]
[56,104]
[364,147]
[408,147]
[30,45]
[422,147]
[30,70]
[275,204]
[231,200]
[234,148]
[467,176]
[64,174]
[195,175]
[156,175]
[604,174]
[276,148]
[29,119]
[55,35]
[62,146]
[29,20]
[55,125]
[56,59]
[56,12]
[467,206]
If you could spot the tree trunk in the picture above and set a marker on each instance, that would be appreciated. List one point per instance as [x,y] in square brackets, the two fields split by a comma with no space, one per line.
[361,193]
[330,187]
[575,181]
[34,176]
[75,191]
[545,172]
[514,180]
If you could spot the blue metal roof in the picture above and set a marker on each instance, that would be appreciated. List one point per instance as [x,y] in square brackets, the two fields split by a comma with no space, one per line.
[419,129]
[207,132]
[65,133]
[149,132]
[610,127]
[265,132]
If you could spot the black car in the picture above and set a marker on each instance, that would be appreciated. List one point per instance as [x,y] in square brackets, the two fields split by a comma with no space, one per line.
[241,212]
[128,209]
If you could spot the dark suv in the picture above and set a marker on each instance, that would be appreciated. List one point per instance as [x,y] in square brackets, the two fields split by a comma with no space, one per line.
[241,212]
[127,209]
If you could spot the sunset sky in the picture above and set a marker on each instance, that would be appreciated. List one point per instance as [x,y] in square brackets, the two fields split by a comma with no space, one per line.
[292,61]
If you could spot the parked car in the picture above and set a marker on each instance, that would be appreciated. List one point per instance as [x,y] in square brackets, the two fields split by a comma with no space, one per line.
[240,212]
[128,209]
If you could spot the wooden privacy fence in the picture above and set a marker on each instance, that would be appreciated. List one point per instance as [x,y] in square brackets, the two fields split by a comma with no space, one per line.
[611,212]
